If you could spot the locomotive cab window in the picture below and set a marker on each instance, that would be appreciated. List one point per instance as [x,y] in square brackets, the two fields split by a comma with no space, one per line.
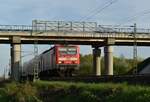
[72,51]
[68,50]
[63,51]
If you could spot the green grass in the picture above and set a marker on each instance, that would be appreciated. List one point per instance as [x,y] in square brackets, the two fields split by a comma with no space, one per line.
[16,92]
[44,91]
[108,92]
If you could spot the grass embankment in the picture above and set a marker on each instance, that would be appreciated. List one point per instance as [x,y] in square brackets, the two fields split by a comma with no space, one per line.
[73,92]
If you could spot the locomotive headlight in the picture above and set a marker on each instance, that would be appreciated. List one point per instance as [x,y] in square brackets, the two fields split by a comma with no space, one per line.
[75,62]
[62,59]
[59,62]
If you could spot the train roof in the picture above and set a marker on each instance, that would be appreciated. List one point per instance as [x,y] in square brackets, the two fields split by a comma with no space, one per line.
[48,50]
[57,45]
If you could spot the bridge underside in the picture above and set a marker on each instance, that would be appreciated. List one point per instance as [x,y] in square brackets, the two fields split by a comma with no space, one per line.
[76,40]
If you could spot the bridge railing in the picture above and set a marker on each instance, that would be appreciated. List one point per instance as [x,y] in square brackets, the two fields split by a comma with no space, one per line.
[60,26]
[38,25]
[121,29]
[15,28]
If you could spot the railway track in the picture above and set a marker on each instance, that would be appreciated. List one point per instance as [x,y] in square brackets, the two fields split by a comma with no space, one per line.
[131,79]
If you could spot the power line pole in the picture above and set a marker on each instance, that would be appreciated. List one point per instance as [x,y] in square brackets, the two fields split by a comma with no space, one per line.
[135,49]
[36,77]
[4,72]
[35,70]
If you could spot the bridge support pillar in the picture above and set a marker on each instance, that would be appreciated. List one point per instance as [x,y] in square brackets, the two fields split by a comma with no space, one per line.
[108,58]
[15,58]
[97,61]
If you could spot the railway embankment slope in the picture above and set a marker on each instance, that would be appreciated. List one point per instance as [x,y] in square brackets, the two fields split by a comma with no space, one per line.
[142,68]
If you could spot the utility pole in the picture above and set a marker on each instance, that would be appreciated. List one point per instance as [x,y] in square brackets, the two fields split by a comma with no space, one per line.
[4,73]
[36,77]
[35,74]
[135,49]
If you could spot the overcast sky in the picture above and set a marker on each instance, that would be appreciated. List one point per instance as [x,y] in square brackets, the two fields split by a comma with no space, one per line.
[24,11]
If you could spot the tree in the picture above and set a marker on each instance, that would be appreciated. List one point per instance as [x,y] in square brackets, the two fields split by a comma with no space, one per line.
[86,64]
[121,65]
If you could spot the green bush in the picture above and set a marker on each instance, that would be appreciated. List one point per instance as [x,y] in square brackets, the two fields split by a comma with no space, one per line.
[21,92]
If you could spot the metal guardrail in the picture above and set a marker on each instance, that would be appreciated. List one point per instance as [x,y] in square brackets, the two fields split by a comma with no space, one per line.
[112,29]
[63,26]
[59,26]
[15,28]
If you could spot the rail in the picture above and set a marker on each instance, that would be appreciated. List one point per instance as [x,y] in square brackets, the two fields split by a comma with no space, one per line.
[130,79]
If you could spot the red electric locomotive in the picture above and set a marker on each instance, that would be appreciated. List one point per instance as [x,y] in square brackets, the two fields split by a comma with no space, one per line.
[60,60]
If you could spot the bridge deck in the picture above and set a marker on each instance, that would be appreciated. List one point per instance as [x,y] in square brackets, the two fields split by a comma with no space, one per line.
[73,33]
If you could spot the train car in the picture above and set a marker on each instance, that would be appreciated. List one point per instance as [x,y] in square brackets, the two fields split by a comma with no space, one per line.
[60,60]
[28,68]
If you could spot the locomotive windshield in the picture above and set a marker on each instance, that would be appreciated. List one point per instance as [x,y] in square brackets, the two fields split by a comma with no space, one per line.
[69,50]
[72,51]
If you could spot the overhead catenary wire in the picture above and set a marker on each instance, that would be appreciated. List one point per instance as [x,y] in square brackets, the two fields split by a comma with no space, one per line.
[133,17]
[93,10]
[99,9]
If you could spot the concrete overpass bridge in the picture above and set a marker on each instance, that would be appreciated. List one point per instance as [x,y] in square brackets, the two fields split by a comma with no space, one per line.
[80,33]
